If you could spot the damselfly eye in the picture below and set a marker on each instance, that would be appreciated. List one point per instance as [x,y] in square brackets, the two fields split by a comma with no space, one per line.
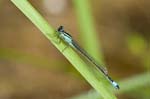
[60,29]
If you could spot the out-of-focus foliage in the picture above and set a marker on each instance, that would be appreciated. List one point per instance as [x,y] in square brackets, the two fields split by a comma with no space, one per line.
[137,44]
[122,28]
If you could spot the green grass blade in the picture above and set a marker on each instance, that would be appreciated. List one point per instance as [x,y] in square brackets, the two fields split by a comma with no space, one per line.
[87,28]
[93,76]
[127,85]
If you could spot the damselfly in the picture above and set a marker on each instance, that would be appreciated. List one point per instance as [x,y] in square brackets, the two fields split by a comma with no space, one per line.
[66,37]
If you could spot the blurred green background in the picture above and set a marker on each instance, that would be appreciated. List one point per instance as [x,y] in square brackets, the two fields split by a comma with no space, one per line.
[32,68]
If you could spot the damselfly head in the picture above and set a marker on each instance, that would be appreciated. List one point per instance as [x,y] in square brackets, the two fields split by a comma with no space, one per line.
[60,29]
